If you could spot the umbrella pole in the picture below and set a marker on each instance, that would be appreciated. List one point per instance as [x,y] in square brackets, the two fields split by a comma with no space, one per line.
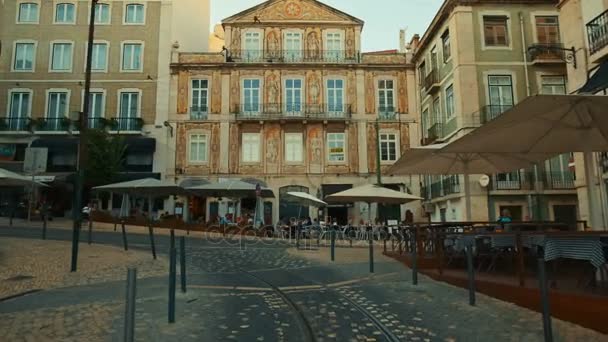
[150,228]
[467,193]
[594,218]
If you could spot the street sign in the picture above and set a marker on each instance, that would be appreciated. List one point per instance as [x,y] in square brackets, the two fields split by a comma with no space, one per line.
[35,160]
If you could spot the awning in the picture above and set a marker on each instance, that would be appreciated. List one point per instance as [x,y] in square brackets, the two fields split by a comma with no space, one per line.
[59,144]
[140,145]
[192,182]
[598,81]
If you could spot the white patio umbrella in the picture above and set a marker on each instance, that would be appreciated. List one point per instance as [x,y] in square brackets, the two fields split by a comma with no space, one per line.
[371,193]
[306,199]
[546,124]
[435,160]
[8,178]
[232,189]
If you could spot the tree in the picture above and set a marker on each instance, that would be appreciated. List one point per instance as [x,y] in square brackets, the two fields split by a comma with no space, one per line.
[105,158]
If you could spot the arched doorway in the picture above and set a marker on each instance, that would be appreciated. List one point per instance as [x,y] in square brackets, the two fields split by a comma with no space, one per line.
[288,207]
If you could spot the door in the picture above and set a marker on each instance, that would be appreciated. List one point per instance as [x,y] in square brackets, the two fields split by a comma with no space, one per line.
[516,212]
[335,98]
[566,214]
[501,95]
[57,110]
[442,214]
[293,97]
[293,47]
[253,50]
[19,111]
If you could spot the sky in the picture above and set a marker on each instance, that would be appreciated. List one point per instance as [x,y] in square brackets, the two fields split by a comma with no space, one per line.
[383,18]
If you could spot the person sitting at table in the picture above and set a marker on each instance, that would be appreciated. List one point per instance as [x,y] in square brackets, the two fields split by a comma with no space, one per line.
[307,221]
[505,218]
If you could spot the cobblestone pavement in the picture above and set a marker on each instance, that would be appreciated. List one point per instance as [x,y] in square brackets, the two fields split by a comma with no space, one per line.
[235,293]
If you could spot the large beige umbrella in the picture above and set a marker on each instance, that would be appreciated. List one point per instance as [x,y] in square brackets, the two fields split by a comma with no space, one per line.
[546,124]
[9,179]
[233,188]
[305,199]
[435,160]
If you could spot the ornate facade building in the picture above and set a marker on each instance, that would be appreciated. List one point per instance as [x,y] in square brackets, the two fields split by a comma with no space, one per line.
[291,103]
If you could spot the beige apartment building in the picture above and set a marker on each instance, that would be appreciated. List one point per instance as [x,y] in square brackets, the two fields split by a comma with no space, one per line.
[291,104]
[476,60]
[587,23]
[42,72]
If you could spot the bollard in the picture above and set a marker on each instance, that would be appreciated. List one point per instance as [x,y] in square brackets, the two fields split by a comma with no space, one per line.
[297,237]
[90,236]
[10,219]
[414,258]
[384,245]
[371,255]
[471,274]
[333,244]
[182,262]
[172,265]
[544,297]
[152,244]
[44,224]
[124,236]
[130,305]
[115,224]
[172,238]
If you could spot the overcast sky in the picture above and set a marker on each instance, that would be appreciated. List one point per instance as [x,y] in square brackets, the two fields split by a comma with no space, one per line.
[383,18]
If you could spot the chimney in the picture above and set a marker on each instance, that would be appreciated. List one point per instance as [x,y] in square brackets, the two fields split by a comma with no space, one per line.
[402,46]
[415,42]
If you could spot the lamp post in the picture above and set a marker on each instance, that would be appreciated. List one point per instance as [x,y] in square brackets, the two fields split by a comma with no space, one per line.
[82,153]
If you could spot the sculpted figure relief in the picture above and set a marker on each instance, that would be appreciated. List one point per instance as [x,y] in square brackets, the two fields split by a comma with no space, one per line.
[370,102]
[272,44]
[313,45]
[235,45]
[350,43]
[273,93]
[314,89]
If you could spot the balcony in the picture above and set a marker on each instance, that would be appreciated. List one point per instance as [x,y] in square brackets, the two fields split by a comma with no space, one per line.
[559,180]
[517,180]
[10,124]
[491,112]
[199,113]
[547,53]
[435,132]
[447,186]
[52,124]
[431,81]
[276,111]
[597,33]
[126,124]
[291,56]
[387,113]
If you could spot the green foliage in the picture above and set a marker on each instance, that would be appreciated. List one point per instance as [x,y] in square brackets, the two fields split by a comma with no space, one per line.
[105,158]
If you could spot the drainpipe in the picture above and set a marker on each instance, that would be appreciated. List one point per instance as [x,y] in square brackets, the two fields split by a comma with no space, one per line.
[528,93]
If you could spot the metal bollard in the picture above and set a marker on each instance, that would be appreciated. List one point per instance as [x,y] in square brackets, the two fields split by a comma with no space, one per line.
[152,244]
[90,236]
[124,236]
[414,258]
[172,265]
[130,305]
[471,274]
[544,297]
[384,245]
[298,237]
[182,262]
[371,255]
[172,238]
[333,244]
[44,224]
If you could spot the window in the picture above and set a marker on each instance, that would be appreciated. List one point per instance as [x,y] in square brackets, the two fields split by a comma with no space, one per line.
[553,85]
[422,71]
[434,59]
[19,110]
[28,12]
[251,147]
[200,93]
[100,57]
[24,56]
[388,146]
[293,97]
[57,109]
[65,13]
[293,46]
[252,46]
[134,14]
[449,102]
[501,93]
[61,58]
[102,14]
[96,104]
[426,122]
[129,105]
[335,147]
[293,148]
[333,46]
[436,110]
[447,48]
[385,96]
[198,148]
[547,29]
[335,97]
[495,31]
[131,56]
[251,95]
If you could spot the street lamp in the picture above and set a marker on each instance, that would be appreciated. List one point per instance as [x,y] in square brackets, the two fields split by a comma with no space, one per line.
[84,115]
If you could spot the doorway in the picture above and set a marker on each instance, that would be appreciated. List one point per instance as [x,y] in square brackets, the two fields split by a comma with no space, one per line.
[516,212]
[567,214]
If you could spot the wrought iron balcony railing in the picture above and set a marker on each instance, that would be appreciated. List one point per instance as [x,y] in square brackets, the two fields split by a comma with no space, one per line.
[597,32]
[491,112]
[558,180]
[14,124]
[293,56]
[431,80]
[199,113]
[546,51]
[52,124]
[451,185]
[435,132]
[278,111]
[126,124]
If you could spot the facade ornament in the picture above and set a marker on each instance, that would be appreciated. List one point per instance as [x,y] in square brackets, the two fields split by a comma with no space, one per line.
[313,45]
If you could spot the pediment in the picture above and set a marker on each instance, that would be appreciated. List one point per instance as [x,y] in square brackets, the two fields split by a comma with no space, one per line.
[292,10]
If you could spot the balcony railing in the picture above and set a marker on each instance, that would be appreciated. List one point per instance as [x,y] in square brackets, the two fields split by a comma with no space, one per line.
[491,112]
[199,113]
[126,124]
[447,186]
[11,124]
[597,32]
[431,80]
[293,56]
[518,180]
[546,52]
[435,132]
[558,180]
[387,113]
[52,124]
[277,111]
